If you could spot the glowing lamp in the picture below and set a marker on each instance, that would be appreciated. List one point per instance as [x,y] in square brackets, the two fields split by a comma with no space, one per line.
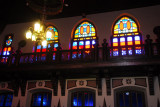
[33,38]
[28,34]
[44,43]
[37,27]
[49,34]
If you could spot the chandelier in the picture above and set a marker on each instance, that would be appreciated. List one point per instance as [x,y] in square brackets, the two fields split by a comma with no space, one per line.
[38,32]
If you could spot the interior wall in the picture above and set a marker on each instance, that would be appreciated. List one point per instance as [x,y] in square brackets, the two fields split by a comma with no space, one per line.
[148,18]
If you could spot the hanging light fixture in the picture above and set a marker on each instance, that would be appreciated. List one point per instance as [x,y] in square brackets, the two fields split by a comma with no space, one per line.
[38,32]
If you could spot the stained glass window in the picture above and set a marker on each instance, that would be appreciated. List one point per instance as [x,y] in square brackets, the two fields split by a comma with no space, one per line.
[84,36]
[7,47]
[125,25]
[126,39]
[83,99]
[41,100]
[6,100]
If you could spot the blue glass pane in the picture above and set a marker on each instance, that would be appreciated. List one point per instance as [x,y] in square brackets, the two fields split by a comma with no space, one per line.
[1,100]
[138,51]
[80,99]
[44,47]
[81,43]
[123,52]
[86,99]
[121,100]
[9,100]
[75,100]
[45,100]
[8,53]
[56,45]
[130,52]
[140,104]
[93,42]
[39,98]
[74,56]
[49,100]
[4,53]
[39,47]
[74,43]
[49,45]
[134,102]
[115,53]
[91,100]
[126,96]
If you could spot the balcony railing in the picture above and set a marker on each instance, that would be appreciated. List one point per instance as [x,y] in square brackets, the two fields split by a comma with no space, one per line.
[97,54]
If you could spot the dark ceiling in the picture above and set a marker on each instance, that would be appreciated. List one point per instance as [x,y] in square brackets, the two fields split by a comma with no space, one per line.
[16,11]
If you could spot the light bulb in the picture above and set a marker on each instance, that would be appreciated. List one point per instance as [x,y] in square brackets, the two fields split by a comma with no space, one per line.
[44,43]
[37,27]
[28,34]
[48,35]
[33,38]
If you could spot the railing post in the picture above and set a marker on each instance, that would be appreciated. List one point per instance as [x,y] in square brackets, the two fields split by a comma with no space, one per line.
[148,46]
[17,56]
[105,50]
[58,53]
[156,31]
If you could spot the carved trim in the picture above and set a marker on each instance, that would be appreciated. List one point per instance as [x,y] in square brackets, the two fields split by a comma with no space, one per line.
[91,83]
[31,85]
[151,83]
[71,83]
[140,82]
[116,82]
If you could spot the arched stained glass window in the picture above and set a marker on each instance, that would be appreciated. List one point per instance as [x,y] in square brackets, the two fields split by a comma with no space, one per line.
[6,99]
[84,37]
[6,51]
[126,38]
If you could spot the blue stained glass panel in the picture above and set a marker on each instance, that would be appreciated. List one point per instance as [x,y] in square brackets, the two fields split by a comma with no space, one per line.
[80,99]
[75,100]
[123,52]
[126,100]
[39,47]
[91,100]
[138,51]
[134,102]
[86,99]
[130,52]
[140,103]
[81,43]
[55,45]
[87,42]
[2,100]
[45,100]
[121,100]
[115,53]
[93,42]
[125,25]
[9,100]
[74,43]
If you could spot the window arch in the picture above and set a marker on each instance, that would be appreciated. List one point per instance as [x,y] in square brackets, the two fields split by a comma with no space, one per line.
[53,41]
[84,36]
[126,37]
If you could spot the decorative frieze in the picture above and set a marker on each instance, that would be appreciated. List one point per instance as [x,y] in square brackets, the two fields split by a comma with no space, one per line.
[116,83]
[141,82]
[71,83]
